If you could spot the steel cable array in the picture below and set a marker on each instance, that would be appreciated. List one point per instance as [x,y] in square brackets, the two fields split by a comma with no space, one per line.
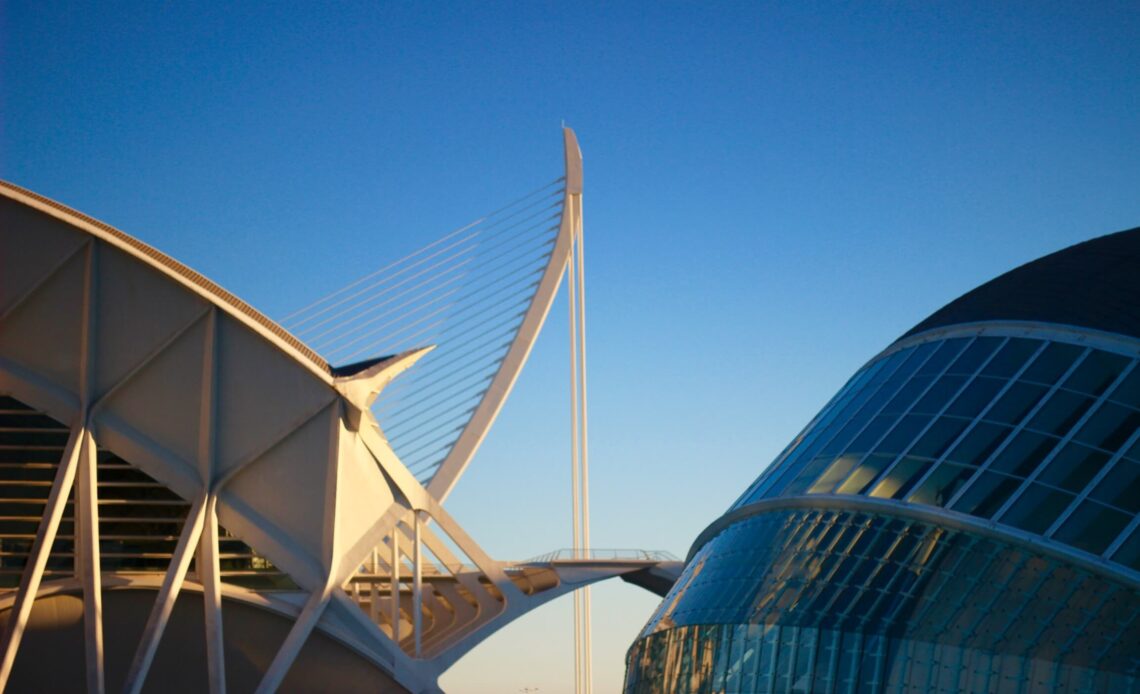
[466,293]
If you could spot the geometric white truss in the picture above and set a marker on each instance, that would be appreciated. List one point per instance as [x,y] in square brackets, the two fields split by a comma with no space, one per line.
[140,356]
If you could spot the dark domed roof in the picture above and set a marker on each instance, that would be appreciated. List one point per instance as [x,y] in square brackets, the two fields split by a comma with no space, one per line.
[1094,284]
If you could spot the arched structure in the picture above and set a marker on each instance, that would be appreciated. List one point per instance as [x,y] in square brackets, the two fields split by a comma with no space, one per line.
[962,516]
[191,496]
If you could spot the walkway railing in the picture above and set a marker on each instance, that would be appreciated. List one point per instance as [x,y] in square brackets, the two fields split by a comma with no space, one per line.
[568,554]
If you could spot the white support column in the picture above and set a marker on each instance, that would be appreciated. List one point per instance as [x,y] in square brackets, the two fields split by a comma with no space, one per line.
[575,465]
[208,565]
[417,584]
[167,594]
[209,573]
[41,549]
[87,538]
[374,588]
[583,433]
[395,590]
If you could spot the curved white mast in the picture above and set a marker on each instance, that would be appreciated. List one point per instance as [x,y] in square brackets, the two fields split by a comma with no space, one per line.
[500,387]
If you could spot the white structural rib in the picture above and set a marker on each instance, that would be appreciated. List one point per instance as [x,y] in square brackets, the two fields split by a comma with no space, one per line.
[41,548]
[500,387]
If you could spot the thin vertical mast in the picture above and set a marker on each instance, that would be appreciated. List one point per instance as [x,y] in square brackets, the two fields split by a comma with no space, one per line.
[579,468]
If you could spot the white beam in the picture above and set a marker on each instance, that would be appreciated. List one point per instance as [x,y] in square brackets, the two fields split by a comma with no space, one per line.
[209,573]
[41,549]
[395,590]
[87,538]
[167,594]
[208,566]
[417,584]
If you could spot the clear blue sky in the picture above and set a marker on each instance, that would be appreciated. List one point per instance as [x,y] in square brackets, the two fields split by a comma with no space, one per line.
[773,193]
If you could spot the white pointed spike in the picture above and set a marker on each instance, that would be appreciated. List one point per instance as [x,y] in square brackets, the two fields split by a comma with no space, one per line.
[362,388]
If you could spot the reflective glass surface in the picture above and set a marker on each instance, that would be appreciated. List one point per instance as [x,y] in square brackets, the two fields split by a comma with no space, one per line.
[1036,434]
[806,600]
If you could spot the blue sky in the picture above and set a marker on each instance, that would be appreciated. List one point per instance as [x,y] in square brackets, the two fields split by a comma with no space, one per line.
[774,192]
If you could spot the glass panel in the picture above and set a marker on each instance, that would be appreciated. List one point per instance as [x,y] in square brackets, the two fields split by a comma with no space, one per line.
[1011,357]
[1129,552]
[947,350]
[1096,372]
[977,445]
[986,495]
[840,441]
[1092,527]
[1052,363]
[907,395]
[871,434]
[976,396]
[1128,392]
[1073,467]
[939,394]
[971,359]
[1109,427]
[1121,486]
[942,485]
[869,470]
[901,478]
[806,477]
[939,437]
[1024,453]
[903,434]
[834,475]
[1060,413]
[1037,508]
[1016,403]
[869,403]
[916,357]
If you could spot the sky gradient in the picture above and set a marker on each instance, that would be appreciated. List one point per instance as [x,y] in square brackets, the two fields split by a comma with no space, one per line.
[773,193]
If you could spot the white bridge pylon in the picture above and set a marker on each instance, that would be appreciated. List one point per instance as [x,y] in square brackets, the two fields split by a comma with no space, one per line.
[258,443]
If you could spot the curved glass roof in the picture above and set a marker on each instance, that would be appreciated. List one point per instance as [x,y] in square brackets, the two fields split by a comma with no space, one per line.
[816,600]
[1041,434]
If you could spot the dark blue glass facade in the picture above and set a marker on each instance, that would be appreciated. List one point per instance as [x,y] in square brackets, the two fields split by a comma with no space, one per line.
[1042,435]
[805,600]
[962,516]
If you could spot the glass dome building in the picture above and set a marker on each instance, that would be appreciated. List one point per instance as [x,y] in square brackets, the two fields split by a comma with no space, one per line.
[962,516]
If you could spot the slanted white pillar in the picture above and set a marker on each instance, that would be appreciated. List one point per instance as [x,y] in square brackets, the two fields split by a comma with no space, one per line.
[395,590]
[374,588]
[167,594]
[41,549]
[417,585]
